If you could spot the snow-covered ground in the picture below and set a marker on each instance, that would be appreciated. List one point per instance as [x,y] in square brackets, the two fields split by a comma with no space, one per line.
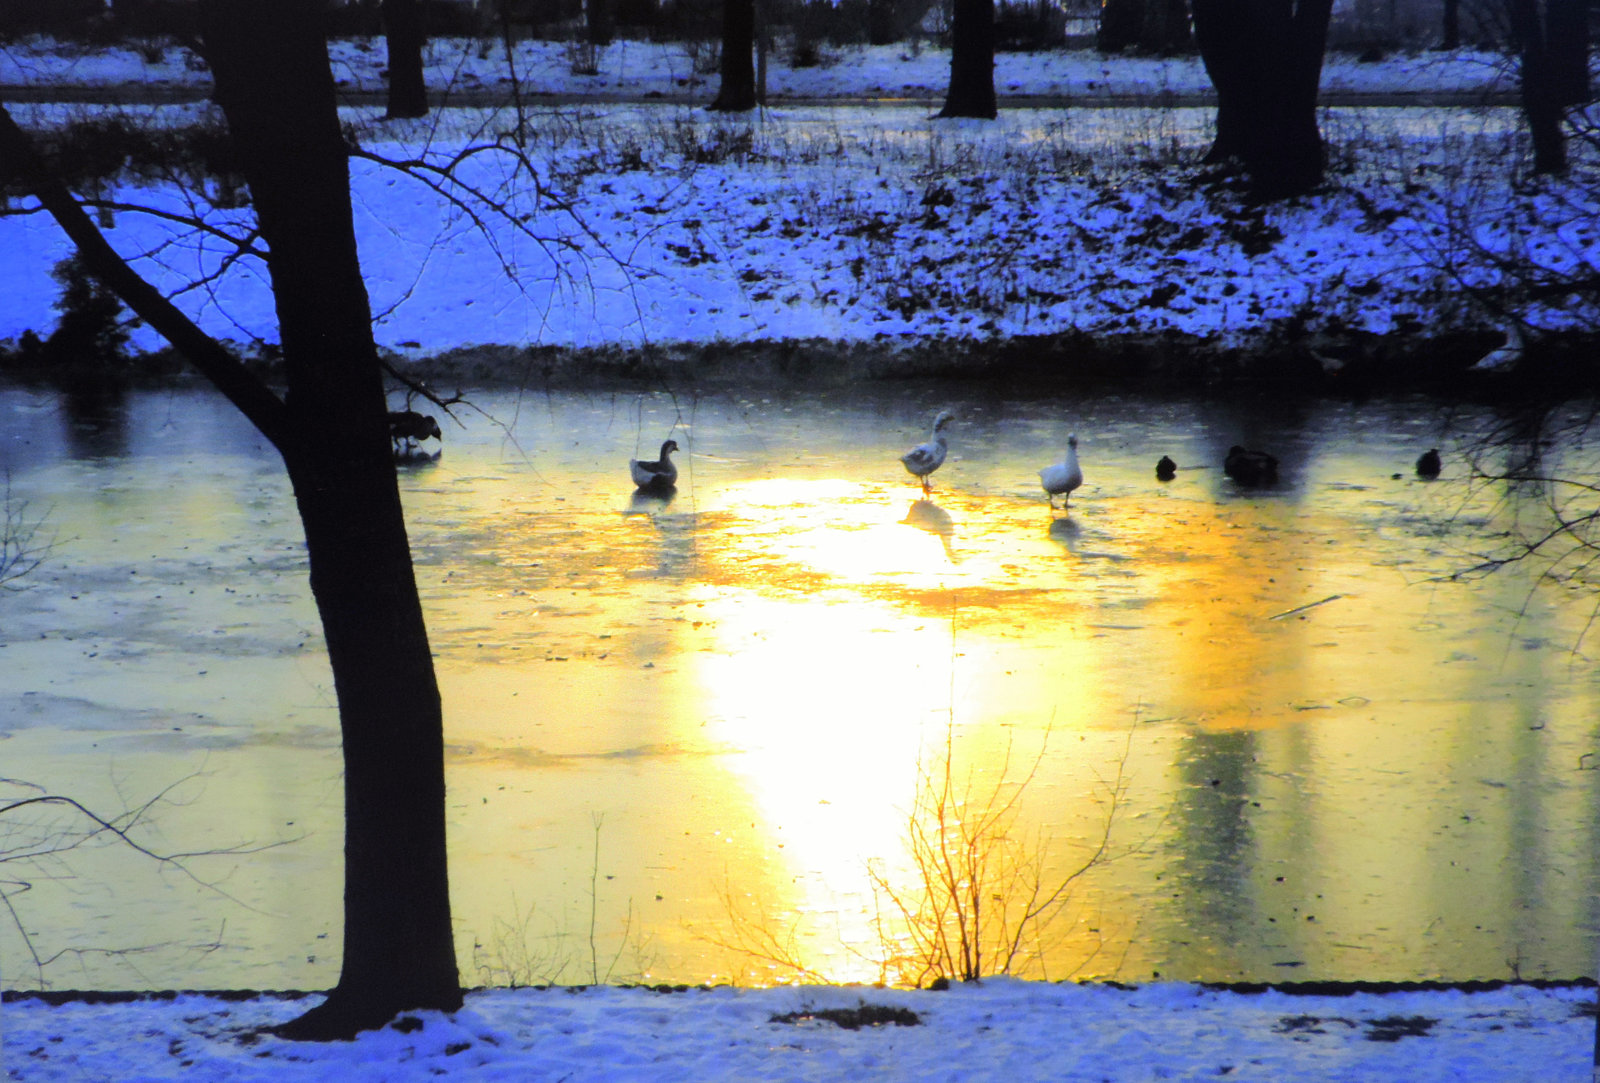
[629,69]
[657,222]
[1020,1032]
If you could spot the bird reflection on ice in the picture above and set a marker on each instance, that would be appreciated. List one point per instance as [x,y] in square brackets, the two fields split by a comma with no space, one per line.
[650,501]
[1066,533]
[926,515]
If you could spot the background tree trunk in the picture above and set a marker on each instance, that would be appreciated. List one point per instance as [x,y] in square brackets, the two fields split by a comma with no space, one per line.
[1450,37]
[1152,26]
[275,87]
[1170,32]
[1264,58]
[738,91]
[971,91]
[1567,24]
[1223,30]
[1121,25]
[599,21]
[881,27]
[1542,90]
[404,35]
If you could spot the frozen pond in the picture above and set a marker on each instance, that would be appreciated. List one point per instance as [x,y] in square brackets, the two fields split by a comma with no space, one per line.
[686,736]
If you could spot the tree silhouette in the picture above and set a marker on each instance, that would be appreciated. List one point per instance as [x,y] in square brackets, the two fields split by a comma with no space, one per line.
[274,84]
[971,92]
[1264,58]
[404,36]
[738,91]
[1552,37]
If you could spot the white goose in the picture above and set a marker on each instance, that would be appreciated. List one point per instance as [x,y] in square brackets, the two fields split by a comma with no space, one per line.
[659,475]
[924,459]
[1504,358]
[1059,479]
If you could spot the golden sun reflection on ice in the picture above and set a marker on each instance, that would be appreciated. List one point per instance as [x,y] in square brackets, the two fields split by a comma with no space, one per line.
[838,661]
[828,701]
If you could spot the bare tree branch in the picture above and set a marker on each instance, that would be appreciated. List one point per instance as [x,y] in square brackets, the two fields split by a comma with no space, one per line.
[51,842]
[264,409]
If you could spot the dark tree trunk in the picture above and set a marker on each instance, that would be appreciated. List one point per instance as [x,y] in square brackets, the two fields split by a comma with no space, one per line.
[881,27]
[738,91]
[1451,36]
[1568,22]
[1290,156]
[1169,32]
[1151,26]
[1264,58]
[971,91]
[275,88]
[1121,25]
[272,78]
[1542,89]
[763,47]
[599,21]
[1223,31]
[403,33]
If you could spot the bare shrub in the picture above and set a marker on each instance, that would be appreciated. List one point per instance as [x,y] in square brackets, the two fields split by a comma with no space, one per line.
[530,948]
[705,56]
[22,546]
[583,58]
[982,901]
[41,833]
[1536,470]
[516,954]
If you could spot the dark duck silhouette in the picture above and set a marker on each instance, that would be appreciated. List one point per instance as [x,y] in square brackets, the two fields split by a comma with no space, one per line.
[1250,467]
[1166,469]
[924,459]
[408,429]
[658,476]
[1428,464]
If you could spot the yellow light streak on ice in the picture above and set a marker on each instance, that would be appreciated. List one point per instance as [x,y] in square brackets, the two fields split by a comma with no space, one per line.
[834,669]
[826,685]
[829,701]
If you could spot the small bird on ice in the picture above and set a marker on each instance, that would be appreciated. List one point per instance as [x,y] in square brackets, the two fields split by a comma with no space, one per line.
[1250,467]
[1428,464]
[408,429]
[1059,479]
[924,459]
[657,476]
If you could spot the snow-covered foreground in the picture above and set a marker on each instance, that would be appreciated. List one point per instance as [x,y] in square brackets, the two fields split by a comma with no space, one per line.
[1019,1032]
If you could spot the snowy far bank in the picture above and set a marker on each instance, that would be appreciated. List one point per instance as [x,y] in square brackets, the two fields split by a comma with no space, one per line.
[630,239]
[668,70]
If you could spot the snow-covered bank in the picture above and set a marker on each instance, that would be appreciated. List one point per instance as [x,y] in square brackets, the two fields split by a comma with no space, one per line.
[1439,364]
[658,228]
[1017,1031]
[661,227]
